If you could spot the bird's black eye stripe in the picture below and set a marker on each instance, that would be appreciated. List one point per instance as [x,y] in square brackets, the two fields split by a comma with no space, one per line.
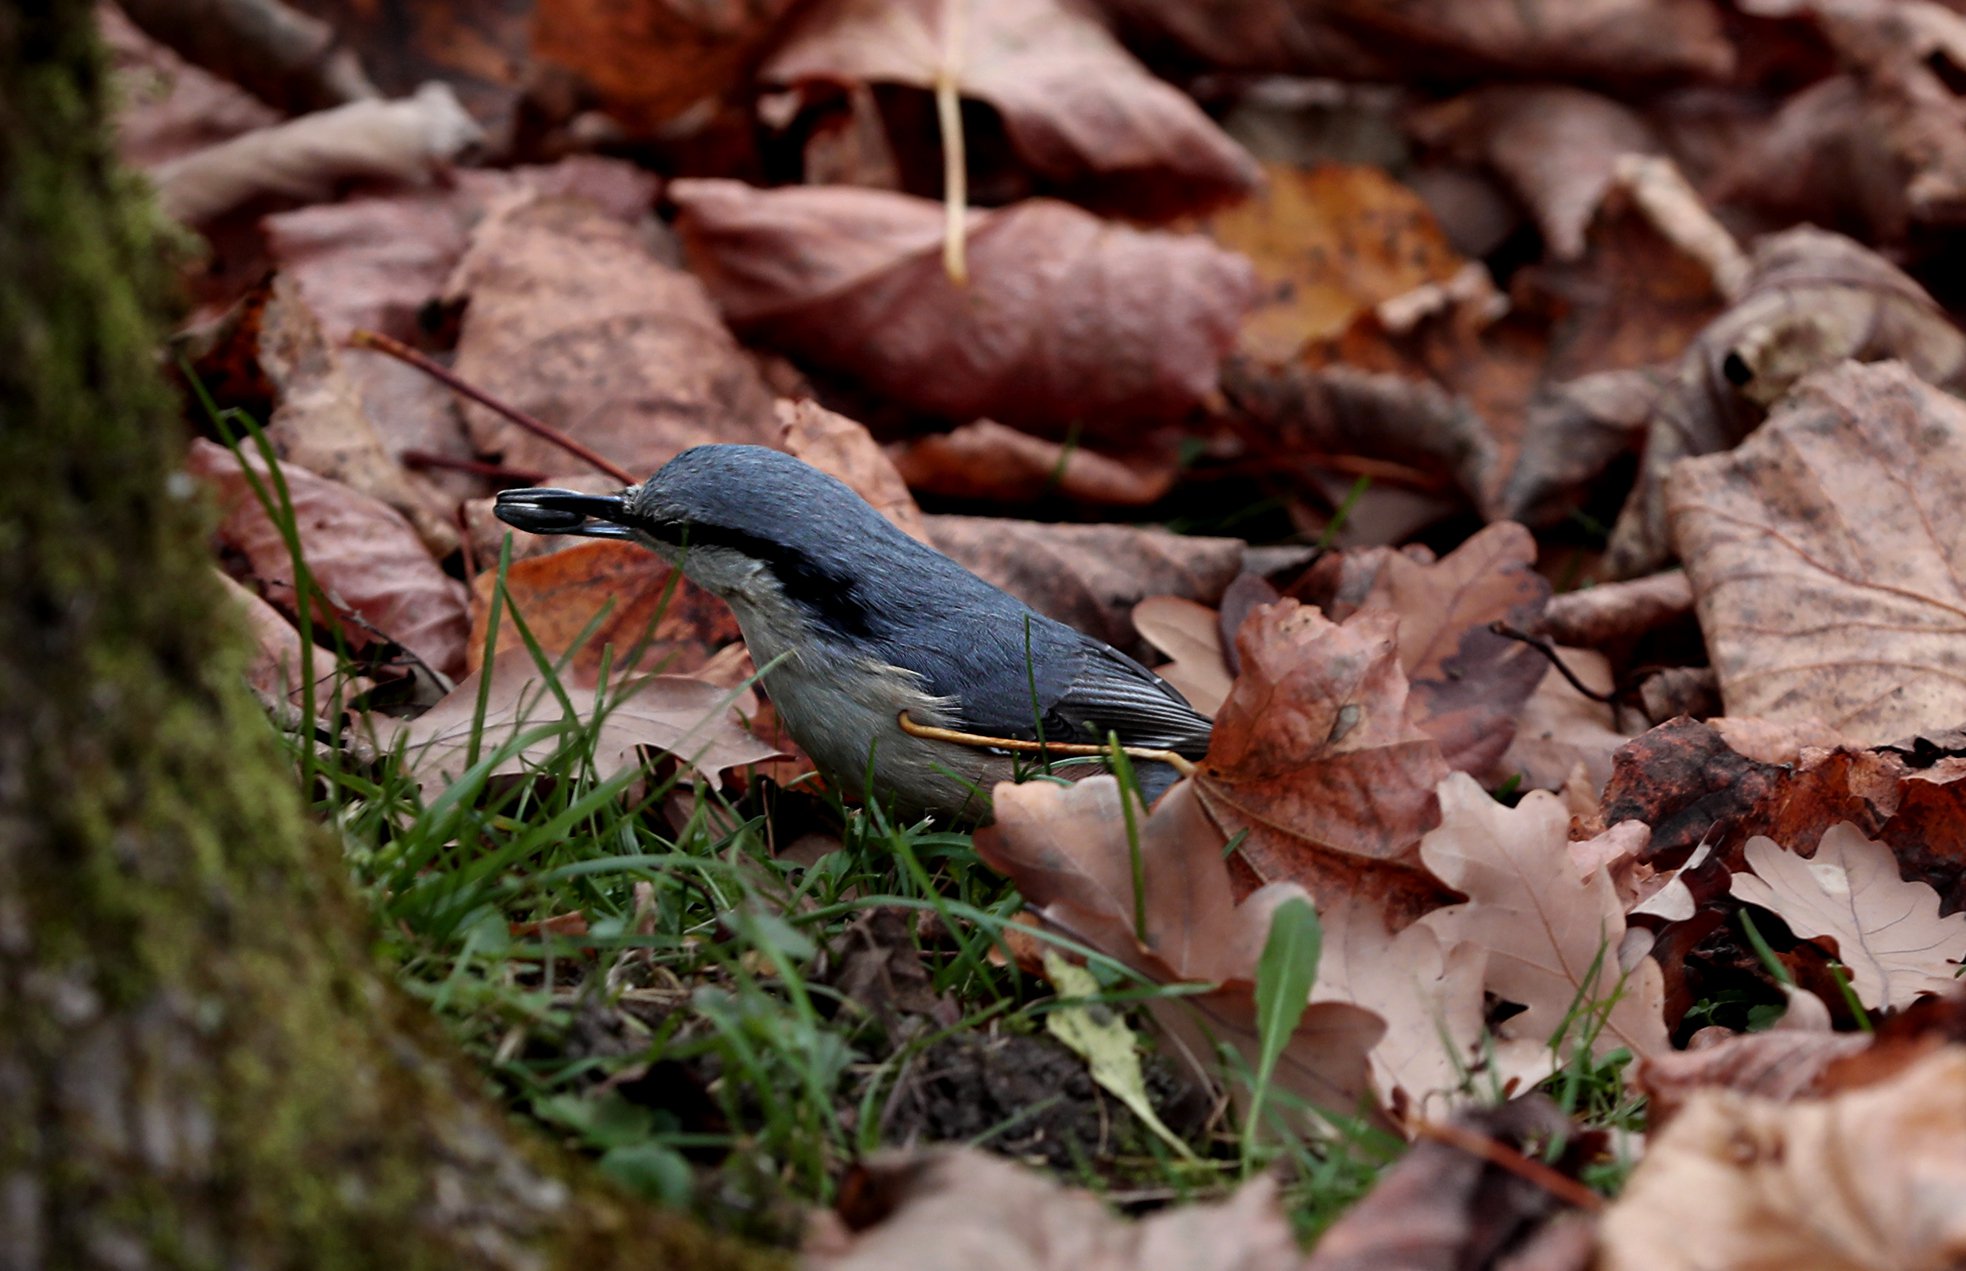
[819,590]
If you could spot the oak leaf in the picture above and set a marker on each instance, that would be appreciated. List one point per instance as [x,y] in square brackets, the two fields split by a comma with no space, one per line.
[1553,939]
[1888,931]
[1317,759]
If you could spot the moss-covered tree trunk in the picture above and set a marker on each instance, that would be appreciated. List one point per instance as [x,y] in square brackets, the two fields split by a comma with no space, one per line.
[199,1061]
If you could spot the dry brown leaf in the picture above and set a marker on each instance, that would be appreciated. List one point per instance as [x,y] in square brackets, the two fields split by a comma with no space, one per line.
[1825,556]
[1880,145]
[959,1209]
[1078,109]
[1782,1064]
[843,448]
[1610,612]
[1443,1207]
[695,721]
[1191,634]
[1553,939]
[1328,244]
[650,63]
[989,462]
[655,620]
[1867,1180]
[406,140]
[273,667]
[1067,849]
[1887,930]
[377,575]
[1088,576]
[479,49]
[1316,756]
[1814,300]
[1561,731]
[573,320]
[1467,684]
[321,422]
[1067,320]
[1556,146]
[1429,995]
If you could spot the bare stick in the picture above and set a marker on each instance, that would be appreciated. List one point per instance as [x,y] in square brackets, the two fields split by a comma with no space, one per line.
[1502,1156]
[362,338]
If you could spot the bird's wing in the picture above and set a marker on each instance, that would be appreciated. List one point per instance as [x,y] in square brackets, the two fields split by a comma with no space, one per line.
[1111,693]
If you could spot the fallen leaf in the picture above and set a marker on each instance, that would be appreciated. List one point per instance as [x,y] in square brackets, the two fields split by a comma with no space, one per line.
[1088,576]
[1552,939]
[1067,321]
[1560,730]
[1328,244]
[1863,1181]
[573,320]
[843,448]
[479,49]
[1780,1065]
[1467,685]
[1888,931]
[1824,554]
[695,721]
[1430,996]
[960,1209]
[989,462]
[1608,612]
[644,617]
[274,666]
[321,423]
[1078,109]
[1316,757]
[377,577]
[1442,1206]
[302,159]
[165,106]
[1067,849]
[648,64]
[1099,1035]
[1878,146]
[1557,147]
[1191,634]
[1813,300]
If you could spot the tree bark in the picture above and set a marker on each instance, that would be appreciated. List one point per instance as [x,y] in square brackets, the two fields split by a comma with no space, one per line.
[200,1061]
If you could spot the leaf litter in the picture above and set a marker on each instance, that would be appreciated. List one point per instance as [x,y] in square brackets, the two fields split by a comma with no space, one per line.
[1511,888]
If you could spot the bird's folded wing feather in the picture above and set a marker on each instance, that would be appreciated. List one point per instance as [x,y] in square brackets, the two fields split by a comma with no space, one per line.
[1114,694]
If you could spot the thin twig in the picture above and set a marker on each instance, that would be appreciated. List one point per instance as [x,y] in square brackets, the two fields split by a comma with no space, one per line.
[955,164]
[1502,1156]
[1179,762]
[362,338]
[1545,646]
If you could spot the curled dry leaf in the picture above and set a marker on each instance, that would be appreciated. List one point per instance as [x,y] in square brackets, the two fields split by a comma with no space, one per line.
[654,619]
[1067,320]
[960,1209]
[1887,930]
[988,462]
[1826,555]
[1553,939]
[843,448]
[378,578]
[1616,611]
[405,140]
[165,106]
[1781,1065]
[695,721]
[1078,109]
[1867,1180]
[1066,848]
[1329,243]
[572,319]
[647,64]
[1316,757]
[1813,300]
[1088,576]
[274,667]
[1561,731]
[1191,634]
[1556,146]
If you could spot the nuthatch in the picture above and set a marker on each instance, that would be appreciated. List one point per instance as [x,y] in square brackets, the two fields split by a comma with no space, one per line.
[854,623]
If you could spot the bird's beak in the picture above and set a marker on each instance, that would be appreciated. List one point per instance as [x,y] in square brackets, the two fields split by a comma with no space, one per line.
[548,511]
